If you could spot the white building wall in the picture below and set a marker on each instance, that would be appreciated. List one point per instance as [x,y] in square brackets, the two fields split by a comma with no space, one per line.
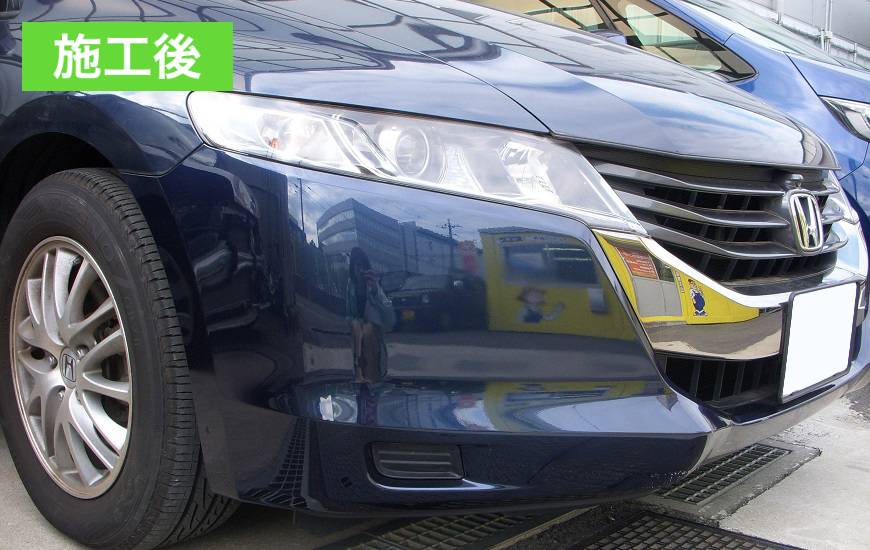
[849,23]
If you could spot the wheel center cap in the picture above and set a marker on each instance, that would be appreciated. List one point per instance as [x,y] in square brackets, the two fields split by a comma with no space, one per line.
[68,364]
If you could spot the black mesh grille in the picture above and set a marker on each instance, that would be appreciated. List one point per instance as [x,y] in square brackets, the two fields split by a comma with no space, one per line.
[723,383]
[725,269]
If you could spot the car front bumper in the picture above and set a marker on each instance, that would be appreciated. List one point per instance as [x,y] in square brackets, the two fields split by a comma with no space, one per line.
[566,405]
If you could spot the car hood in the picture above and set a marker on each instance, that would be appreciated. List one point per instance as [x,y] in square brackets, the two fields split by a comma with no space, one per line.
[458,60]
[831,80]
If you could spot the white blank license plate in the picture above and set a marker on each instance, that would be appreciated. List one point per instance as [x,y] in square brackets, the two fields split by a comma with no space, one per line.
[819,337]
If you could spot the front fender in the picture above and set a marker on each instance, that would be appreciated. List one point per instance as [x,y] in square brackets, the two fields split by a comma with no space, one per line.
[138,132]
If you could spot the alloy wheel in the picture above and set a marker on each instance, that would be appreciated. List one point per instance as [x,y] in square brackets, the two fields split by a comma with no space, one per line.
[71,367]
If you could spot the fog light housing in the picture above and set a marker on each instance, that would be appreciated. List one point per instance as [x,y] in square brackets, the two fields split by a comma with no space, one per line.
[416,461]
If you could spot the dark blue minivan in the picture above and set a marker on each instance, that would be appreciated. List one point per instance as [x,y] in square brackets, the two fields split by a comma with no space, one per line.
[200,292]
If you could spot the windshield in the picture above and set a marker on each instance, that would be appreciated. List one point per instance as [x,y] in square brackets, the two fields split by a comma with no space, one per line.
[425,282]
[762,30]
[644,25]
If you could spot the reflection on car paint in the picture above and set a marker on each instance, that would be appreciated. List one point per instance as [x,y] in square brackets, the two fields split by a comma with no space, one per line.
[660,293]
[533,406]
[295,355]
[545,282]
[497,279]
[441,302]
[370,315]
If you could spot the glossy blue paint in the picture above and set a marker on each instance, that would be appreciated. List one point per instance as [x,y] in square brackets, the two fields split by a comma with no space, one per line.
[833,80]
[442,62]
[793,83]
[780,83]
[279,340]
[277,381]
[260,289]
[575,84]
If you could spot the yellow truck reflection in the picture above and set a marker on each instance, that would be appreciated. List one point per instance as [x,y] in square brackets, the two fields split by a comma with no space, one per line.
[514,406]
[550,283]
[661,293]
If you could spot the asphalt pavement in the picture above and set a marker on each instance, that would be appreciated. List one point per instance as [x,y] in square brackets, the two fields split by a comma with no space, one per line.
[822,504]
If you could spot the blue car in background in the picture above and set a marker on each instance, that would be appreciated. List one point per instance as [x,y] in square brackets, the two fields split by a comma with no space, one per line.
[828,94]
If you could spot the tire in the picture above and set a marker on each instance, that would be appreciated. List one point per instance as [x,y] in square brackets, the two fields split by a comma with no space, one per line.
[108,448]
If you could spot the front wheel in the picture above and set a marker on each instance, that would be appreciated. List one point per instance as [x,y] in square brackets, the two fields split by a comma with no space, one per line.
[94,385]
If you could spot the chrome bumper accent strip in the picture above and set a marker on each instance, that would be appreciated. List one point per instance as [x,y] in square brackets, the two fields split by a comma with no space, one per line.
[686,312]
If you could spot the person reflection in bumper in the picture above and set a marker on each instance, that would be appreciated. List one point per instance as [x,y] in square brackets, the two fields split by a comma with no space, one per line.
[370,314]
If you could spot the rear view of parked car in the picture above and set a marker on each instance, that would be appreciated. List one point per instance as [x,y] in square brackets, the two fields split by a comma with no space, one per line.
[198,289]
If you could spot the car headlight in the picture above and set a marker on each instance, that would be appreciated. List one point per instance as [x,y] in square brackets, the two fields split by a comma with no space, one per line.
[853,114]
[462,158]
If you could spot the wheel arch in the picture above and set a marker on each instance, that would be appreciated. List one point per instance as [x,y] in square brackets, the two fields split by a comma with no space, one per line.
[136,132]
[142,144]
[98,208]
[37,157]
[138,135]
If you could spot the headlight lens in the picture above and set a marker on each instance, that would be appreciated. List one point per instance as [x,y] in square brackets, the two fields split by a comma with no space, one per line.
[471,159]
[853,114]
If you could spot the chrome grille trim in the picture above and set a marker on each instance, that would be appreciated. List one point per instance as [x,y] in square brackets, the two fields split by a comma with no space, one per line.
[725,218]
[736,228]
[626,172]
[744,251]
[829,217]
[750,339]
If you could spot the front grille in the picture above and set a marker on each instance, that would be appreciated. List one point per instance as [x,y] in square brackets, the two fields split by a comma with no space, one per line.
[729,222]
[723,384]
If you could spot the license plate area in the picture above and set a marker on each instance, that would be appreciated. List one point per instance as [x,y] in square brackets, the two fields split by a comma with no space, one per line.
[818,338]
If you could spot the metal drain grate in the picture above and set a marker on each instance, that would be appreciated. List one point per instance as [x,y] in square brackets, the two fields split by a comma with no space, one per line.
[717,477]
[647,530]
[447,533]
[472,532]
